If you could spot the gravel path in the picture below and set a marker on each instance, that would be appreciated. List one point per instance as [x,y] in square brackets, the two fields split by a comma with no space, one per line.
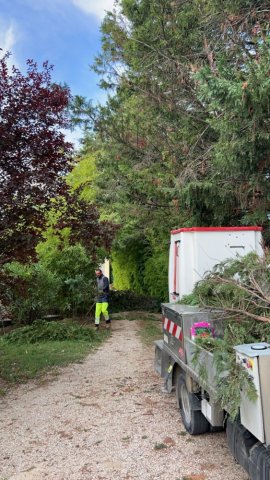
[106,418]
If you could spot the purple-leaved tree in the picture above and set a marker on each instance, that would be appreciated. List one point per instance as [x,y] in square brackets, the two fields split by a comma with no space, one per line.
[34,155]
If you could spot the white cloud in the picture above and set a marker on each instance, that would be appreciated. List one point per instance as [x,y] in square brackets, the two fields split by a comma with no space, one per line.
[74,136]
[8,39]
[7,36]
[94,7]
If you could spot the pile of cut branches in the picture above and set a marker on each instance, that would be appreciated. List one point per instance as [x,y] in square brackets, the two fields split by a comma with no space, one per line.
[240,290]
[239,287]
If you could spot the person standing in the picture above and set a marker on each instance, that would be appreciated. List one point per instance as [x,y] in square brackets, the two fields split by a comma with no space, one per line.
[102,302]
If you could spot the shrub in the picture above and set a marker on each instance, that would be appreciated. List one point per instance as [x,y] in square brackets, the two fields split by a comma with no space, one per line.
[76,272]
[63,283]
[32,291]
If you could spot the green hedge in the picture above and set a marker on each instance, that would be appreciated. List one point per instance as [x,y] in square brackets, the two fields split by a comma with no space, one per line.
[156,275]
[140,268]
[125,300]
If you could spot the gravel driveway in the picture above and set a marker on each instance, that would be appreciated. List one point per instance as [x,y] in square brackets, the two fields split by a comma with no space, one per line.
[106,418]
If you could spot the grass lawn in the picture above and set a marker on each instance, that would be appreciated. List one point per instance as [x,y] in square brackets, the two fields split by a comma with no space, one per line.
[21,360]
[30,352]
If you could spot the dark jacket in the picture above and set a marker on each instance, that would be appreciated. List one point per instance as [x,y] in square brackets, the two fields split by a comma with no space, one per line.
[102,289]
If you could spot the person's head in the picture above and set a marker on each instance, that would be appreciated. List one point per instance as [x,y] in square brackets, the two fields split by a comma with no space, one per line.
[98,272]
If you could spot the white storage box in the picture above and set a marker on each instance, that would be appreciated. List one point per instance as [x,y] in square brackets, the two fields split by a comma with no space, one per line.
[195,251]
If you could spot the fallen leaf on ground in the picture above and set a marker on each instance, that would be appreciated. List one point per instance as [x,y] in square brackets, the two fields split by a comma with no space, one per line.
[169,441]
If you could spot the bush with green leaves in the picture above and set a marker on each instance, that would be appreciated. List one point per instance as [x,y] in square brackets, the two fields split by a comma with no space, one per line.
[63,283]
[33,291]
[76,271]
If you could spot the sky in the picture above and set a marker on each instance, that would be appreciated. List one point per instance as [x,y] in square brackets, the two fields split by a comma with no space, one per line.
[64,32]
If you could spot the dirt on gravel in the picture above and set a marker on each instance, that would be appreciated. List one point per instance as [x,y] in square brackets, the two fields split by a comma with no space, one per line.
[106,418]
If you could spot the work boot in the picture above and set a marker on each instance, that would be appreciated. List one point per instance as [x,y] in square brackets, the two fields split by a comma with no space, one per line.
[96,327]
[108,324]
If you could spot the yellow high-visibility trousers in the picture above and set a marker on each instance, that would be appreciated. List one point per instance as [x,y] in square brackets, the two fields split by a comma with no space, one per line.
[101,308]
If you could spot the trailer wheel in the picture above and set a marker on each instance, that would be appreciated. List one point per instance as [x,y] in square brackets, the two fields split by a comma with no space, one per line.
[194,421]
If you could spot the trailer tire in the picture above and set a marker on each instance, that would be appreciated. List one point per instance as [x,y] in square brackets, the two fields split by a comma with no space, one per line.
[194,421]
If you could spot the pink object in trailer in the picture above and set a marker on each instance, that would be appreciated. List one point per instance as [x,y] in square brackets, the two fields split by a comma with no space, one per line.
[201,330]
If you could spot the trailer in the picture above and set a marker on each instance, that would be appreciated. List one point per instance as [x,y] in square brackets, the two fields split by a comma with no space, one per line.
[248,436]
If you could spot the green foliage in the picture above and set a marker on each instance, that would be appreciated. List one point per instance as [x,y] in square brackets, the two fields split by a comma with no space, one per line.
[125,272]
[43,331]
[191,299]
[53,238]
[229,374]
[122,301]
[33,291]
[241,287]
[140,265]
[61,282]
[67,262]
[128,257]
[183,139]
[83,176]
[75,269]
[237,100]
[156,274]
[228,392]
[160,446]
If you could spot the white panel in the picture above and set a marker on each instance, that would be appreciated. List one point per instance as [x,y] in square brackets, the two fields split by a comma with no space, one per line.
[200,251]
[251,411]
